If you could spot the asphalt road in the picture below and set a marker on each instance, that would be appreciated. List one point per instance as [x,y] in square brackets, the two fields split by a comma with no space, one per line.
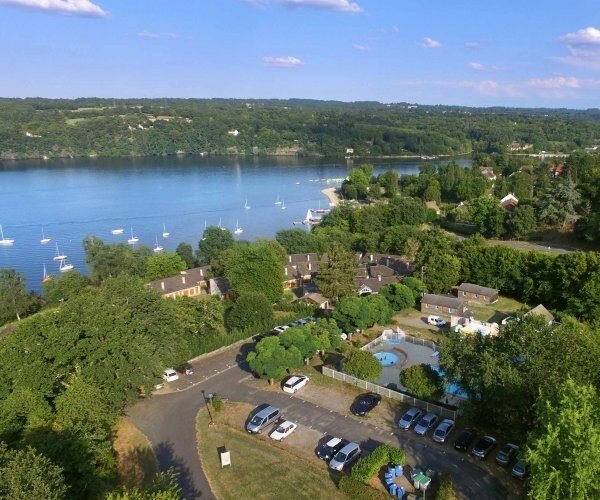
[169,422]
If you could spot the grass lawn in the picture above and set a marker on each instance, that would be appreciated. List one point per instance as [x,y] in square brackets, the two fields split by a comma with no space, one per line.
[495,313]
[136,463]
[260,470]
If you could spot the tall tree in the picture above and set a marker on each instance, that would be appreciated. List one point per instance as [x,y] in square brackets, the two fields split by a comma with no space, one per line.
[337,276]
[297,241]
[271,359]
[214,241]
[64,287]
[258,266]
[186,252]
[15,300]
[563,453]
[26,474]
[163,265]
[250,310]
[559,203]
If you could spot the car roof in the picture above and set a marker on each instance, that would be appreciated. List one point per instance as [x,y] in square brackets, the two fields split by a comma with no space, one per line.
[293,380]
[286,423]
[349,447]
[429,416]
[414,410]
[333,442]
[447,421]
[170,370]
[268,409]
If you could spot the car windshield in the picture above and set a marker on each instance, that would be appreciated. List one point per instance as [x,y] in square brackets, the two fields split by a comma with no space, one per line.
[440,432]
[256,420]
[340,457]
[282,428]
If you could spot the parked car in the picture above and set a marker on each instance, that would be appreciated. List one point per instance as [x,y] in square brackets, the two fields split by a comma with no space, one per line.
[294,383]
[344,336]
[436,320]
[410,418]
[507,454]
[283,430]
[443,430]
[364,403]
[278,329]
[345,457]
[186,369]
[426,424]
[483,447]
[170,375]
[465,439]
[261,419]
[519,470]
[328,450]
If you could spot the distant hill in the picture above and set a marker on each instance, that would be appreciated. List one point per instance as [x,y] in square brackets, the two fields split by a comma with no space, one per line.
[36,128]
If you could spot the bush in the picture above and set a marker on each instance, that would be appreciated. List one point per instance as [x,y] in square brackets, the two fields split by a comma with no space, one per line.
[355,490]
[399,296]
[422,381]
[446,489]
[217,403]
[370,465]
[250,309]
[363,365]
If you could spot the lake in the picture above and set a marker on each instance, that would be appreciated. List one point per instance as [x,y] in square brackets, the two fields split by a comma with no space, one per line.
[73,198]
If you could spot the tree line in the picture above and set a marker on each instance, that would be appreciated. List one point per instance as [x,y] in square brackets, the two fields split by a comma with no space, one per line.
[33,128]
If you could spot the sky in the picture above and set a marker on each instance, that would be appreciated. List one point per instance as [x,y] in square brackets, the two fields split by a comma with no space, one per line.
[533,53]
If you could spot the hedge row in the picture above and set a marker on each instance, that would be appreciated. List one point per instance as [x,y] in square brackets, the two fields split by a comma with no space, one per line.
[355,490]
[371,464]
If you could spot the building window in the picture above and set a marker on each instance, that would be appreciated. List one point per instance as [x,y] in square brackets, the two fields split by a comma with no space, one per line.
[452,311]
[437,307]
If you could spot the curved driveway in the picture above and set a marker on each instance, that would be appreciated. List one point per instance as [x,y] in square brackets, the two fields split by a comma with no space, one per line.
[169,422]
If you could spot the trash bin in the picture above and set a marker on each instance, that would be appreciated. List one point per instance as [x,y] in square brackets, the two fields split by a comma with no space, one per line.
[401,492]
[398,469]
[393,488]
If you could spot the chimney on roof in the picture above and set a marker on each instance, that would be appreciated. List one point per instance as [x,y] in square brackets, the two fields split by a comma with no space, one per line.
[309,266]
[308,257]
[285,269]
[371,257]
[183,279]
[201,272]
[379,277]
[162,285]
[387,262]
[289,258]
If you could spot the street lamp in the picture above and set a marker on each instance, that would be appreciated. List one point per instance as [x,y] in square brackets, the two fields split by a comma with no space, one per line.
[212,422]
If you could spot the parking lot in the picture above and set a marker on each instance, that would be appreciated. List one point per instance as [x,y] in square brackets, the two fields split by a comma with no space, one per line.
[168,420]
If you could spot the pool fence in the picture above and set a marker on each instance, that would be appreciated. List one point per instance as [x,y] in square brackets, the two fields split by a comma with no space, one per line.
[390,393]
[397,336]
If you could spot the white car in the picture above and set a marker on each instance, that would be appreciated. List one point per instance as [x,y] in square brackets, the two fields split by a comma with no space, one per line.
[284,430]
[436,320]
[278,329]
[170,375]
[293,384]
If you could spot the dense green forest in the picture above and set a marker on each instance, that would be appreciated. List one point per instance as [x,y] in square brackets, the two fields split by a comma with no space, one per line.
[35,127]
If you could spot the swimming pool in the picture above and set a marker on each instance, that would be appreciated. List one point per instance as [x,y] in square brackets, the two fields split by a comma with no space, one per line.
[453,389]
[387,358]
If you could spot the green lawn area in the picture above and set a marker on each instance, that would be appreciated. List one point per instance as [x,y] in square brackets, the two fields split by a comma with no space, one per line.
[495,313]
[259,469]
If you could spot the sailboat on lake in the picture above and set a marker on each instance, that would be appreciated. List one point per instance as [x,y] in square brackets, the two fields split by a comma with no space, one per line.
[246,206]
[165,234]
[238,229]
[44,240]
[157,248]
[283,207]
[117,231]
[277,201]
[59,257]
[47,277]
[134,239]
[6,242]
[65,267]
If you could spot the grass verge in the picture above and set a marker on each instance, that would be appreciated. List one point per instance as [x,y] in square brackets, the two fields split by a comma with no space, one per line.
[259,470]
[136,463]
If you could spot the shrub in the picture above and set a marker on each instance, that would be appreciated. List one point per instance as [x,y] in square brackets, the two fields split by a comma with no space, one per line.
[399,296]
[355,490]
[422,381]
[446,489]
[368,466]
[250,309]
[217,403]
[364,365]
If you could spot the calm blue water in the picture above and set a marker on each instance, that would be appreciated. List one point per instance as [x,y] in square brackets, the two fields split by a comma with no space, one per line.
[387,358]
[74,198]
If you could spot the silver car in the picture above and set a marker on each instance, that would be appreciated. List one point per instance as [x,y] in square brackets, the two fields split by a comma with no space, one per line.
[443,430]
[426,424]
[345,457]
[410,418]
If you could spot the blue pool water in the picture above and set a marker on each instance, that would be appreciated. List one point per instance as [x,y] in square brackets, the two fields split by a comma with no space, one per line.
[387,358]
[454,389]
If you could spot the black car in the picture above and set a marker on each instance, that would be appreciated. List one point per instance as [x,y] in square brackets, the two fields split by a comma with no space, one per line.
[465,439]
[186,369]
[365,403]
[507,454]
[328,449]
[483,447]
